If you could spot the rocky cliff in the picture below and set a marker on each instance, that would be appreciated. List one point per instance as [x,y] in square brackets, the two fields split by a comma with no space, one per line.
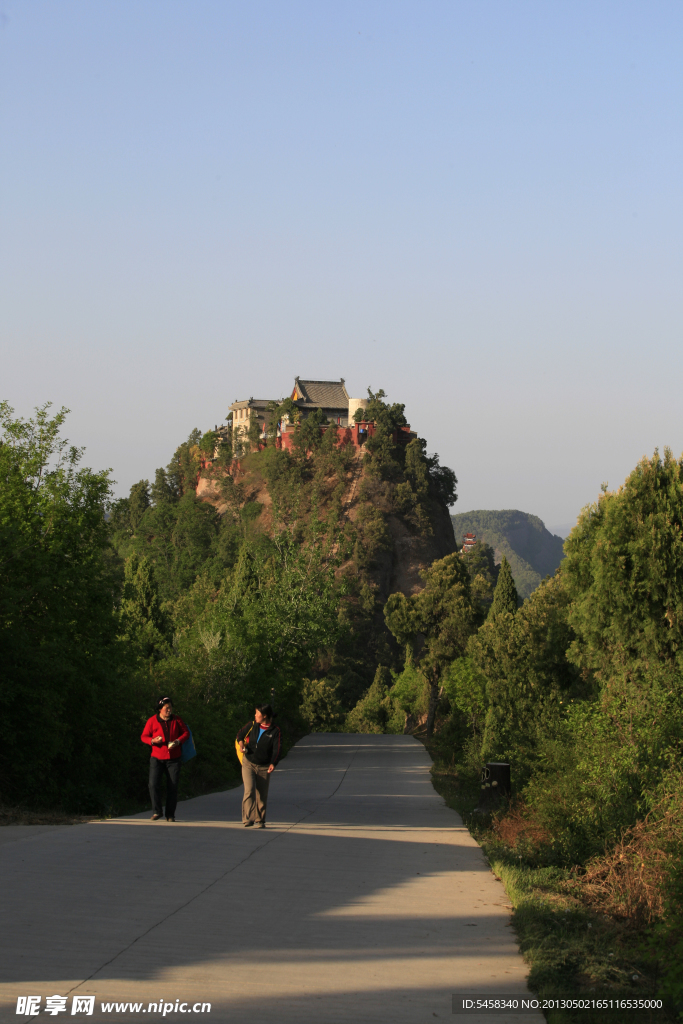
[395,563]
[399,568]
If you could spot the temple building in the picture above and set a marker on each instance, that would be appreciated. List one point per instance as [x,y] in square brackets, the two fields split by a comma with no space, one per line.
[244,413]
[329,396]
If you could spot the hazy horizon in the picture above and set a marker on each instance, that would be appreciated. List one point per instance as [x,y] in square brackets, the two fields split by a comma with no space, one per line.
[476,208]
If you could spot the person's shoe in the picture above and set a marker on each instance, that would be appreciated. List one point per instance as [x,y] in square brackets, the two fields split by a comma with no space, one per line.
[260,824]
[247,824]
[170,819]
[155,817]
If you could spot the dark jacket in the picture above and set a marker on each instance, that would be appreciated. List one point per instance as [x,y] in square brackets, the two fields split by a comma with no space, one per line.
[267,750]
[173,729]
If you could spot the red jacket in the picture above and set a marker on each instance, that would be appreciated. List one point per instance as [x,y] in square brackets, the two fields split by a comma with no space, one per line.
[173,729]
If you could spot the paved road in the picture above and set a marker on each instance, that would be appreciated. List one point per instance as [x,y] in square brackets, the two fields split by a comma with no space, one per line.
[364,900]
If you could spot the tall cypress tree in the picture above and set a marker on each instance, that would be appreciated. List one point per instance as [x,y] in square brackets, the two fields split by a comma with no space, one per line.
[141,617]
[505,594]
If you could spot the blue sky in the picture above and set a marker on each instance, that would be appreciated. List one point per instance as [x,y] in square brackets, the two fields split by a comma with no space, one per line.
[475,206]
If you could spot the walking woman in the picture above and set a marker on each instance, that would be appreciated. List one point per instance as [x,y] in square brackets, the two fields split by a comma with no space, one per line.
[164,733]
[261,744]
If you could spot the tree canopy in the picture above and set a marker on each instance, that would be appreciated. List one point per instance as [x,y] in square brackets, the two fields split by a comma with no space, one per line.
[505,598]
[58,637]
[435,624]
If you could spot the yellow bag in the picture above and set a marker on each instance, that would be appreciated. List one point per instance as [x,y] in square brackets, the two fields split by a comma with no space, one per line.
[240,755]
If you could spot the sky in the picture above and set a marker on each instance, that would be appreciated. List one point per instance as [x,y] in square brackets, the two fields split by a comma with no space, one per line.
[475,206]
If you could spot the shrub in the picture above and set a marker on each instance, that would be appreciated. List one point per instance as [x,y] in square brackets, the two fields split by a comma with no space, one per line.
[321,708]
[374,710]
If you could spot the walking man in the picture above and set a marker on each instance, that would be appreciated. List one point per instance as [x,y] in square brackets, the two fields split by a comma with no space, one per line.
[261,744]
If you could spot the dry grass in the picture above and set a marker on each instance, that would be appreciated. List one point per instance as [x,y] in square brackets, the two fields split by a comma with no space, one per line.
[517,827]
[630,882]
[24,816]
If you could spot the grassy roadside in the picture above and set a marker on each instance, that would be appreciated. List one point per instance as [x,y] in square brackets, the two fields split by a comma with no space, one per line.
[572,951]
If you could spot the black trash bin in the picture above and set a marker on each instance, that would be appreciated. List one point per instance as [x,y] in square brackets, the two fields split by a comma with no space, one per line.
[496,786]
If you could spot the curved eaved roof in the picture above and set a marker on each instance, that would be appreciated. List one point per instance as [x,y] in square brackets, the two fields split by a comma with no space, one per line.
[327,394]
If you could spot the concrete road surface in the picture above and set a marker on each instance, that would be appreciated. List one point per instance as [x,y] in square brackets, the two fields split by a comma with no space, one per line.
[364,900]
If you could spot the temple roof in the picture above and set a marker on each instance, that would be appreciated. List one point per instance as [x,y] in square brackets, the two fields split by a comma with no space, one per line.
[327,394]
[253,403]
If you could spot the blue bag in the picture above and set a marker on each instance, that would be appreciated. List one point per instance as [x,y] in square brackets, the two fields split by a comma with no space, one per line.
[189,749]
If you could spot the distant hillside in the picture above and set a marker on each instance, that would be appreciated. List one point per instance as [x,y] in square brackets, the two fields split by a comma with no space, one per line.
[532,551]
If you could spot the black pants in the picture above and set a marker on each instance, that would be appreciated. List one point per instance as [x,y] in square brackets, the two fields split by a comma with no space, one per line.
[157,770]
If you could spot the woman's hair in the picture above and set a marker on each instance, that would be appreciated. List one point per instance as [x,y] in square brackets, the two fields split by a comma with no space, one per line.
[266,710]
[164,700]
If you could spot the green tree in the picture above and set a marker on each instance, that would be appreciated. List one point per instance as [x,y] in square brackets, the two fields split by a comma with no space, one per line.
[119,520]
[181,540]
[410,694]
[223,453]
[529,680]
[240,441]
[386,457]
[254,432]
[505,597]
[162,490]
[138,502]
[434,624]
[274,414]
[207,444]
[64,701]
[412,493]
[141,617]
[480,562]
[373,711]
[465,687]
[307,435]
[260,627]
[183,469]
[443,481]
[321,708]
[416,469]
[623,573]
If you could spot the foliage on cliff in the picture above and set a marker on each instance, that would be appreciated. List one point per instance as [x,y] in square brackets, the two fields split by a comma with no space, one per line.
[269,585]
